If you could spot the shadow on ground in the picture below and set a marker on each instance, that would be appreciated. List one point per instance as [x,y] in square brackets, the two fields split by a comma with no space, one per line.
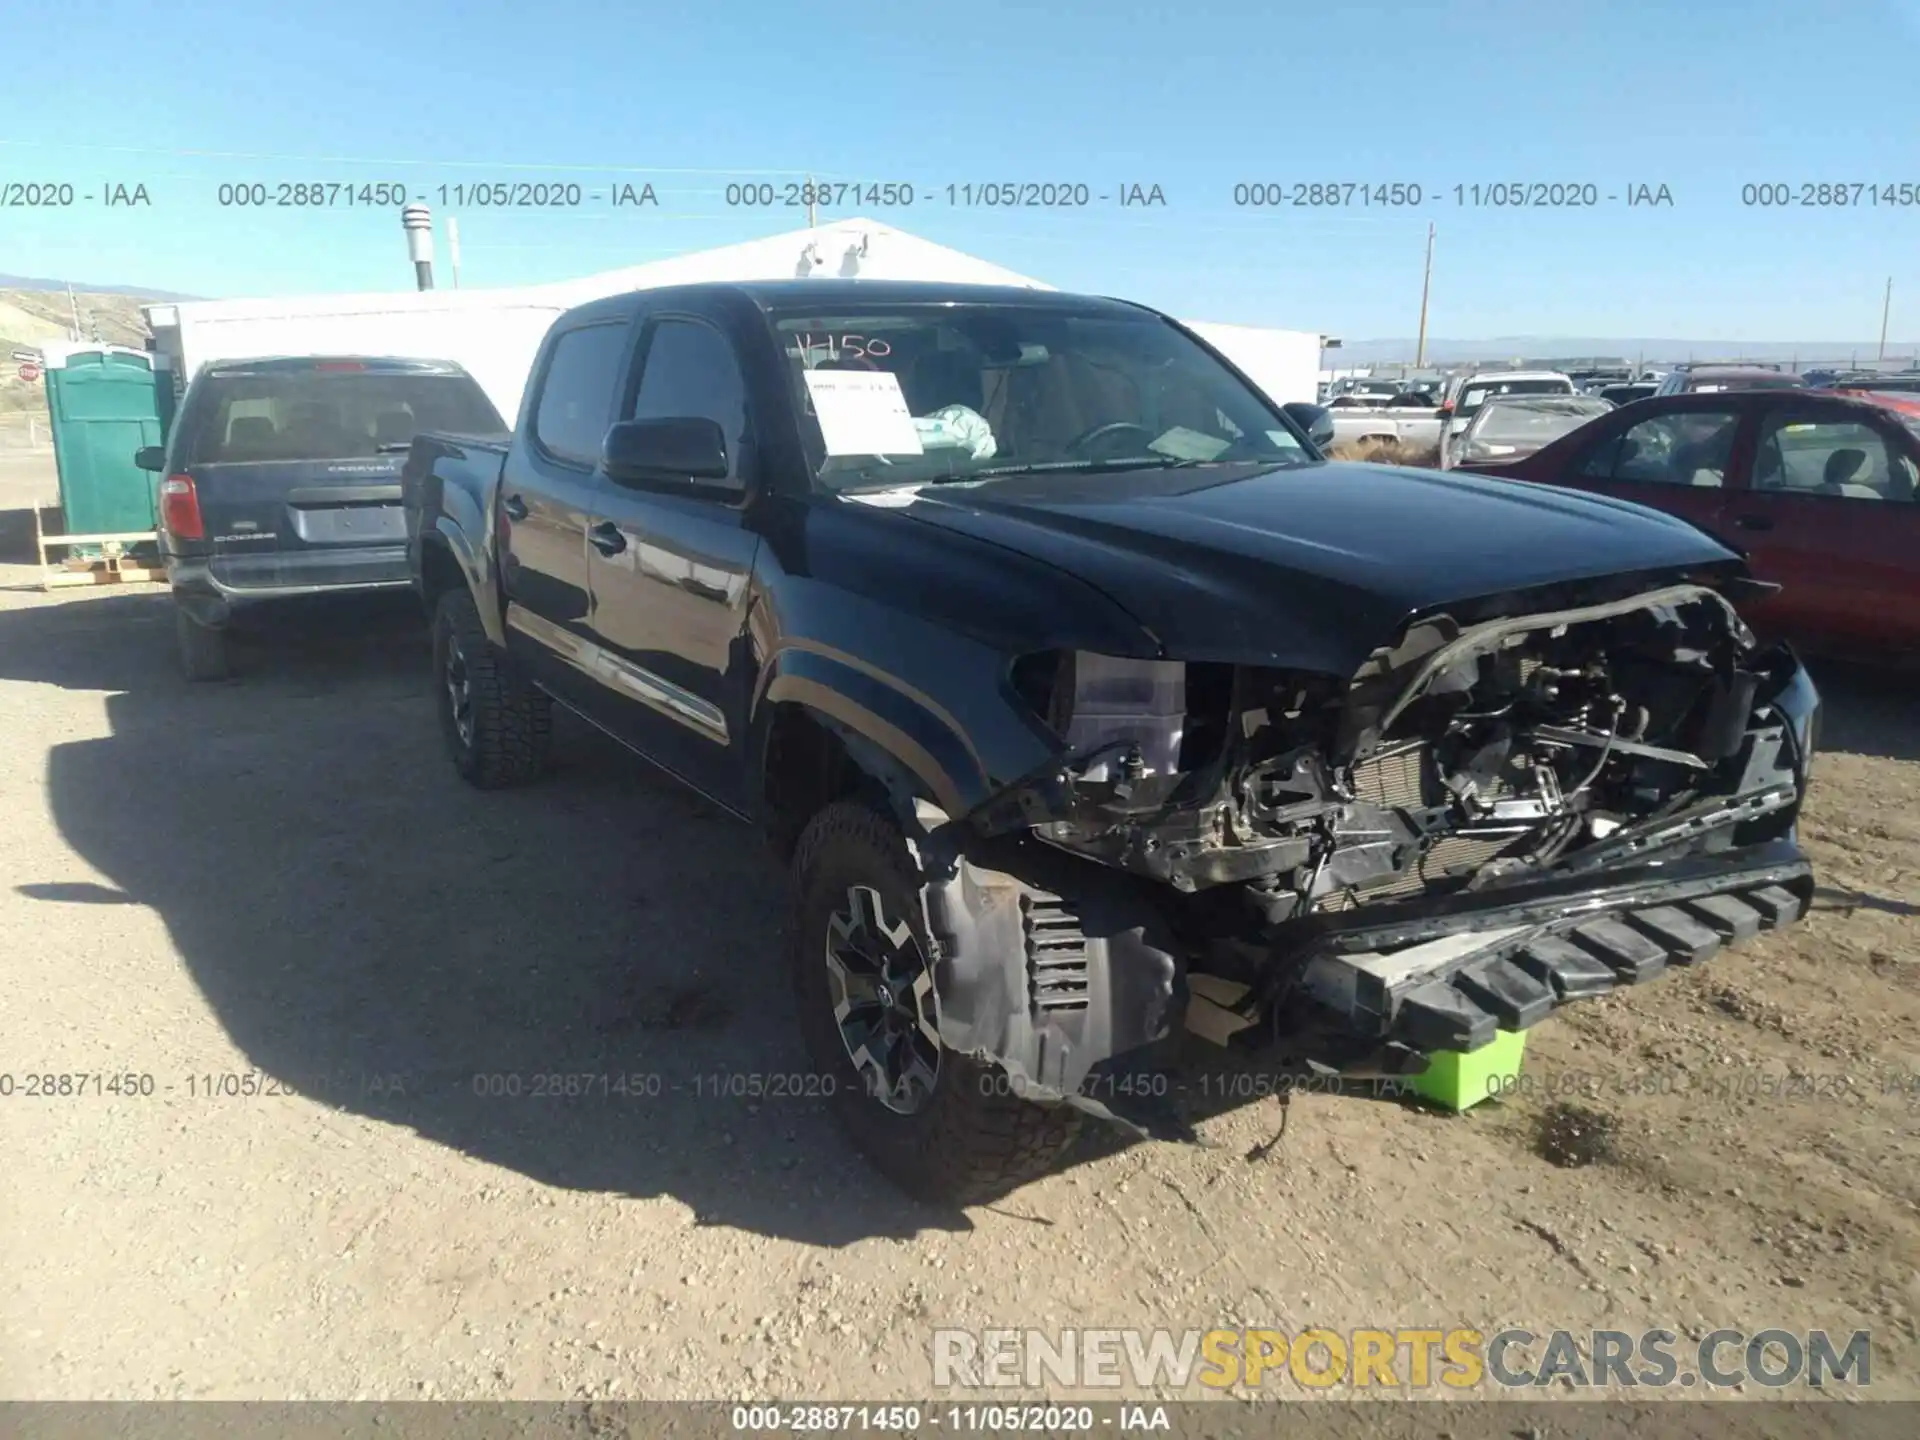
[373,932]
[1868,712]
[16,534]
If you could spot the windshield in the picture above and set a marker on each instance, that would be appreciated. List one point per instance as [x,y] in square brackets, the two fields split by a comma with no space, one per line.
[1481,391]
[1534,424]
[932,393]
[319,415]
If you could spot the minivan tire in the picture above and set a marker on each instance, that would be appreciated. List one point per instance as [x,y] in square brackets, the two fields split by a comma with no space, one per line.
[498,727]
[203,648]
[971,1140]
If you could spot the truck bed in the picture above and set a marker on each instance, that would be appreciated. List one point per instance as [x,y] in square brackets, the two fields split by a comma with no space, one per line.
[438,458]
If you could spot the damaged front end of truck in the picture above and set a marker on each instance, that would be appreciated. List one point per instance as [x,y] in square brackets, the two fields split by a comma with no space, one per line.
[1513,804]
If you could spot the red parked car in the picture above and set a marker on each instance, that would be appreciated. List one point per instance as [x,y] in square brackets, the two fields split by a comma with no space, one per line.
[1816,487]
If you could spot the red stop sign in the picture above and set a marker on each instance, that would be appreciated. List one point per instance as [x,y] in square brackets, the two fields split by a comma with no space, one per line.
[29,372]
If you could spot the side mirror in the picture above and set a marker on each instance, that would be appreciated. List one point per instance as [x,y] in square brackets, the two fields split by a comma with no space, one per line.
[151,457]
[1316,420]
[1445,412]
[681,451]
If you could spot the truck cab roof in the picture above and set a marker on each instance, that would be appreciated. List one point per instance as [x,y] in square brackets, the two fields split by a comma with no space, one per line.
[825,295]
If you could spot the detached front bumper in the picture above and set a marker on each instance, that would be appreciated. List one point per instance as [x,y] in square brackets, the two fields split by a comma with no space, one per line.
[1085,1000]
[1449,980]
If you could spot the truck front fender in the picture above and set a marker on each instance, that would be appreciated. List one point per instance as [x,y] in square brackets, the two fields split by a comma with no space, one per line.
[909,727]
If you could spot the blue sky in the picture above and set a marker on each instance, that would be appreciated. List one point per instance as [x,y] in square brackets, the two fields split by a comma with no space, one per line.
[1702,96]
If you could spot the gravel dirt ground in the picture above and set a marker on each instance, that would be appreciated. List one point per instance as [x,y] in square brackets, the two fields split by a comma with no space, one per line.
[282,877]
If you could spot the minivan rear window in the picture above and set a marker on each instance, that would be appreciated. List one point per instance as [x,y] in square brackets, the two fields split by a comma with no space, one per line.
[1479,394]
[327,415]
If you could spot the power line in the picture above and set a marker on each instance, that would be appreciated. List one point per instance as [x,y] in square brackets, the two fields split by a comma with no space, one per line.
[373,160]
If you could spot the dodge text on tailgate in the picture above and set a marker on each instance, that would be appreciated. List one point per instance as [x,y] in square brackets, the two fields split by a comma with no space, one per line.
[1089,707]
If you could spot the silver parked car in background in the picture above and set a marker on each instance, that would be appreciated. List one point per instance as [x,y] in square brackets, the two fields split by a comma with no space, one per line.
[1510,427]
[1469,392]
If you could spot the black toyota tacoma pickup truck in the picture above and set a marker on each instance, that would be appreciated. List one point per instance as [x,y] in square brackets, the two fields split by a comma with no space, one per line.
[1087,704]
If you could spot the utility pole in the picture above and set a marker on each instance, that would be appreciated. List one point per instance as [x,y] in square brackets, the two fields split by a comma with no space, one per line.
[810,218]
[453,247]
[1426,288]
[73,305]
[1886,309]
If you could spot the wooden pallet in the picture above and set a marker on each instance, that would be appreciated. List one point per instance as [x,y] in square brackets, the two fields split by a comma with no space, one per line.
[115,567]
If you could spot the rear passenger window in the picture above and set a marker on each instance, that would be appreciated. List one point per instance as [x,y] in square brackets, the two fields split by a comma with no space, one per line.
[576,397]
[1840,459]
[1692,447]
[689,371]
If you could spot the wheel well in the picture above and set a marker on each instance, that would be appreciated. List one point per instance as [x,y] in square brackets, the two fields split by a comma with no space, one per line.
[439,573]
[808,767]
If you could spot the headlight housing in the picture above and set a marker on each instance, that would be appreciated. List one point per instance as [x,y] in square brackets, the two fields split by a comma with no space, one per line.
[1106,707]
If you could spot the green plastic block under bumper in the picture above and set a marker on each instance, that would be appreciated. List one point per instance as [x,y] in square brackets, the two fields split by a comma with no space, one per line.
[1462,1079]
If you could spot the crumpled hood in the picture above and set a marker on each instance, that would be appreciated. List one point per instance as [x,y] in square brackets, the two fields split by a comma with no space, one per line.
[1312,566]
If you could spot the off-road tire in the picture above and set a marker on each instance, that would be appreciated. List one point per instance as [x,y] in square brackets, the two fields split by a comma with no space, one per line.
[512,722]
[203,649]
[972,1141]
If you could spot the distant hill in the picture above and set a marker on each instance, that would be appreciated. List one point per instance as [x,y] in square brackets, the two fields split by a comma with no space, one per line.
[30,282]
[35,313]
[1528,347]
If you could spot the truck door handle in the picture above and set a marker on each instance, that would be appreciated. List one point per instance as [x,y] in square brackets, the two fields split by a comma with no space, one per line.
[606,538]
[1754,522]
[515,507]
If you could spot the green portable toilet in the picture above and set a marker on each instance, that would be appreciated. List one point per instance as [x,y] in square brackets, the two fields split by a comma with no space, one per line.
[106,401]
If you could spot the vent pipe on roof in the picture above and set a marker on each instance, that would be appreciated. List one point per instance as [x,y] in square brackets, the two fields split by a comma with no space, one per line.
[850,258]
[417,221]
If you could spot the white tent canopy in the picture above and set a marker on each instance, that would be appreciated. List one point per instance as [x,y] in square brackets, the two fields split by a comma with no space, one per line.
[495,332]
[846,249]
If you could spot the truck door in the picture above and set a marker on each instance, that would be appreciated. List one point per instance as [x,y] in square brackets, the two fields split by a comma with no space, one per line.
[546,503]
[669,570]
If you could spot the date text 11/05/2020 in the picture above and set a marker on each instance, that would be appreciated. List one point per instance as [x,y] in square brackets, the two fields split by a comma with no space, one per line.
[321,193]
[56,193]
[1738,1085]
[1476,195]
[389,194]
[1735,1086]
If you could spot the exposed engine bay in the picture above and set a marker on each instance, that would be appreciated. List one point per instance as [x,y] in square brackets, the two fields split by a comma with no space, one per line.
[1498,814]
[1465,756]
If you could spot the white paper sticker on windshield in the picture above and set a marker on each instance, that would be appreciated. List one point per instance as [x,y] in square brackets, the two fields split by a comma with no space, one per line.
[898,499]
[1184,444]
[862,412]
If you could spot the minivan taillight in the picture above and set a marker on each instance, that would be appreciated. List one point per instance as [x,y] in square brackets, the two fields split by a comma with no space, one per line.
[180,508]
